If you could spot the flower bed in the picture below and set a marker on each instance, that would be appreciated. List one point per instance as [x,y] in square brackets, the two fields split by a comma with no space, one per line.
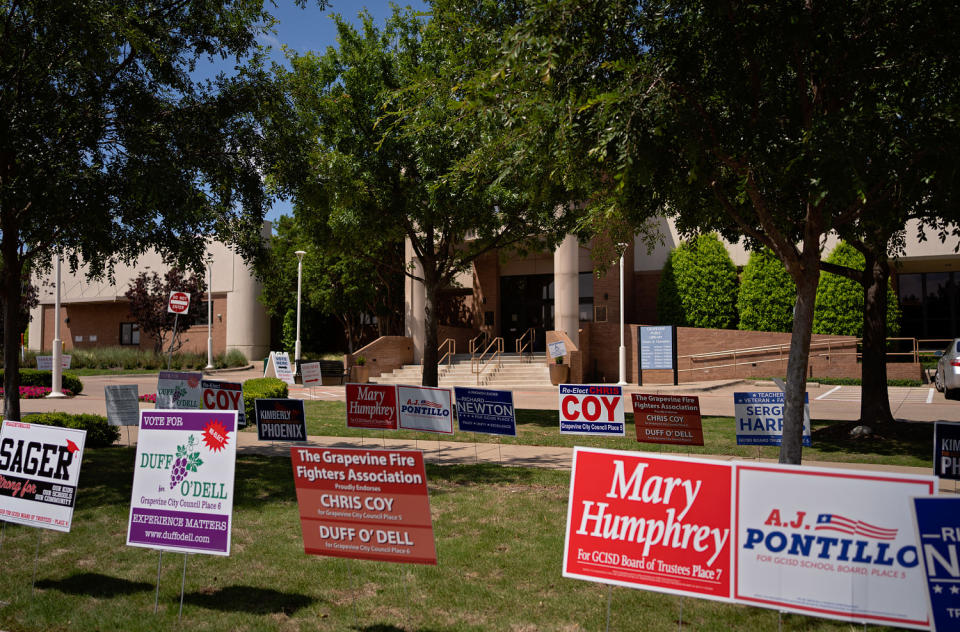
[150,398]
[37,392]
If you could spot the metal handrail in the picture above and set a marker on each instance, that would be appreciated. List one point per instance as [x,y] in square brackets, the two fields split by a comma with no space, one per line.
[522,342]
[451,345]
[473,346]
[475,363]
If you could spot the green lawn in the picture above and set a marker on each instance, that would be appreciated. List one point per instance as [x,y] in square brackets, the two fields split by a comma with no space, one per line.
[911,446]
[499,534]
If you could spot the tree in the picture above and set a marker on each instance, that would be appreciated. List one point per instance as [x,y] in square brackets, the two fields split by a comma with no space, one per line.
[782,122]
[767,293]
[148,295]
[109,147]
[839,308]
[699,285]
[383,127]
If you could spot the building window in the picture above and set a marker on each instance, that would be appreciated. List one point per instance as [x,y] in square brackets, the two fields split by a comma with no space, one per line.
[129,334]
[586,296]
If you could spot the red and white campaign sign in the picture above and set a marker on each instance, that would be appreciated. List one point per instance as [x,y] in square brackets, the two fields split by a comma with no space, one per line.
[591,409]
[364,504]
[425,408]
[643,521]
[179,302]
[372,406]
[831,543]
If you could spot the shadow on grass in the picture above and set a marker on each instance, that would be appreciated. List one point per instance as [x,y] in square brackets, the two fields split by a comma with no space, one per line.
[480,474]
[897,438]
[248,599]
[386,627]
[94,585]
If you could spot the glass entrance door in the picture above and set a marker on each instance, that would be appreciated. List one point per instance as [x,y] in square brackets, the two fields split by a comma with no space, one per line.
[526,301]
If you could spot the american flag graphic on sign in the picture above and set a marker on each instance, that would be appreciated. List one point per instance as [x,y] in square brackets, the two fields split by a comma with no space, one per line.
[836,522]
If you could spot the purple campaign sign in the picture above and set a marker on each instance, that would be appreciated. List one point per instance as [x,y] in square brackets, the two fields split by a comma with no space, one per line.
[164,529]
[182,496]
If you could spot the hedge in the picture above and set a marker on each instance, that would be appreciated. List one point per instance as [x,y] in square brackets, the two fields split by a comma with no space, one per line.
[767,294]
[34,377]
[698,286]
[99,433]
[261,388]
[839,306]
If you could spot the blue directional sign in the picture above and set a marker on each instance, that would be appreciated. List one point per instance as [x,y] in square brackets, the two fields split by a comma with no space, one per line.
[656,347]
[938,531]
[484,410]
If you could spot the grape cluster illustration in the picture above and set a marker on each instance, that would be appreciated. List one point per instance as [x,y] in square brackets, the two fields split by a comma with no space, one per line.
[187,460]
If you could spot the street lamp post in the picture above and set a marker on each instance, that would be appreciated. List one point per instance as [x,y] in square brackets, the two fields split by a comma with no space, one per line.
[296,350]
[623,348]
[56,384]
[209,310]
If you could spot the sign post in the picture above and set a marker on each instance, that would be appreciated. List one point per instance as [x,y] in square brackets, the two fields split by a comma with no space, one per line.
[178,303]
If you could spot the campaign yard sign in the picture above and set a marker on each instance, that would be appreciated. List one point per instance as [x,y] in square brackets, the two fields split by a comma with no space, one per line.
[372,406]
[484,410]
[591,410]
[946,450]
[669,419]
[830,543]
[642,521]
[424,408]
[217,395]
[310,373]
[176,389]
[45,363]
[280,420]
[759,418]
[39,471]
[182,496]
[938,534]
[364,504]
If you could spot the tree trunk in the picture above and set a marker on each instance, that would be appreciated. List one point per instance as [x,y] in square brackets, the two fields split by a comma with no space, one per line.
[791,448]
[874,398]
[430,325]
[12,278]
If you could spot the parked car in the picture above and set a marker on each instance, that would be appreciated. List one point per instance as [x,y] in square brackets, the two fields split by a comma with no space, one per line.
[947,379]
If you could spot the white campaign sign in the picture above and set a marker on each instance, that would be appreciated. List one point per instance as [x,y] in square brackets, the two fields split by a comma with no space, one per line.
[39,471]
[425,408]
[310,373]
[830,543]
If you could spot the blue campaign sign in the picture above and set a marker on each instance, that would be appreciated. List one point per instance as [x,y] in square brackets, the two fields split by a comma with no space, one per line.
[946,450]
[938,533]
[486,411]
[759,418]
[656,347]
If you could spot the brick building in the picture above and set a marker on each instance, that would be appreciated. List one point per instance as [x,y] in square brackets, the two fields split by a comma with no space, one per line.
[95,314]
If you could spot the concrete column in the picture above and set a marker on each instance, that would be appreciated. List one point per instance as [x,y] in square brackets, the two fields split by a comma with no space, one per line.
[35,334]
[566,283]
[415,297]
[248,327]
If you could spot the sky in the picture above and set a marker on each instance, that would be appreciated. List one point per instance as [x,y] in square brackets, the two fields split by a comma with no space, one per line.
[310,29]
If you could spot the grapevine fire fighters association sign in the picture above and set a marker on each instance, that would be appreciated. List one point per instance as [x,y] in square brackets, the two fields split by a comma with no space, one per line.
[39,470]
[830,543]
[182,496]
[364,504]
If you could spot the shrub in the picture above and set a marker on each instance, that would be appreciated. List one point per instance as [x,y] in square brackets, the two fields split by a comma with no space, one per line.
[261,388]
[767,294]
[34,377]
[698,287]
[839,306]
[99,433]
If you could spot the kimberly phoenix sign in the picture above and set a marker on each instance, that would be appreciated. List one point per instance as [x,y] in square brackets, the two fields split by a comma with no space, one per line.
[280,420]
[183,481]
[946,450]
[486,411]
[827,543]
[591,410]
[372,406]
[39,470]
[365,504]
[424,408]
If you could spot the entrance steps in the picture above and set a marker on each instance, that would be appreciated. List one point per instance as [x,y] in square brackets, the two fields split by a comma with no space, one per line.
[516,371]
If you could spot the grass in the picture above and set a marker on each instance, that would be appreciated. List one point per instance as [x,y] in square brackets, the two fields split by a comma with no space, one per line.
[498,570]
[909,446]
